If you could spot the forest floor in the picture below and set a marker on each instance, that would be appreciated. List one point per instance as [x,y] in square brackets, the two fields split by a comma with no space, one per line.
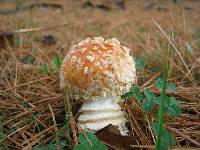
[30,99]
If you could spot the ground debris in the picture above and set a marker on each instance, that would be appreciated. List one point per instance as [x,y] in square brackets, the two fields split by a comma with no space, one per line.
[6,39]
[48,40]
[110,136]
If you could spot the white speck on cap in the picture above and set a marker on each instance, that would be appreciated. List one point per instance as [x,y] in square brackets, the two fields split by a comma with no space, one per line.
[83,50]
[74,58]
[90,58]
[98,40]
[86,70]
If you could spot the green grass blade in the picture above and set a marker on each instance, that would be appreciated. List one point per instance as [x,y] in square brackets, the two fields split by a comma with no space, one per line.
[161,112]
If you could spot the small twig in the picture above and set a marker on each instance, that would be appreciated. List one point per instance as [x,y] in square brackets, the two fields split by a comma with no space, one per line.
[72,122]
[27,83]
[184,136]
[150,129]
[55,126]
[138,130]
[143,146]
[37,136]
[9,138]
[9,135]
[54,120]
[24,99]
[39,29]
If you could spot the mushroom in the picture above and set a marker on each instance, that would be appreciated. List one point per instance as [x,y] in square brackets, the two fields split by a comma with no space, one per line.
[101,70]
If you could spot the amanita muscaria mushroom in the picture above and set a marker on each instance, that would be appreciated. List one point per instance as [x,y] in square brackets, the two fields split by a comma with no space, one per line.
[102,70]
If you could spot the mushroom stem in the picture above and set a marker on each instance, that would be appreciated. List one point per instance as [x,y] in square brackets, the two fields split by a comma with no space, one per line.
[98,112]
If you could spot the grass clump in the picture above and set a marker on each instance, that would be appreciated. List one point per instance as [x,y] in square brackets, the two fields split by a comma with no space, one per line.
[53,67]
[167,105]
[19,4]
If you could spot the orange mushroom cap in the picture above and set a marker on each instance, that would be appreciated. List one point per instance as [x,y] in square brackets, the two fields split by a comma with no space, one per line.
[99,67]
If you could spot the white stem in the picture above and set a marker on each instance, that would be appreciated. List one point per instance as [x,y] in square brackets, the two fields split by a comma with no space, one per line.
[100,112]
